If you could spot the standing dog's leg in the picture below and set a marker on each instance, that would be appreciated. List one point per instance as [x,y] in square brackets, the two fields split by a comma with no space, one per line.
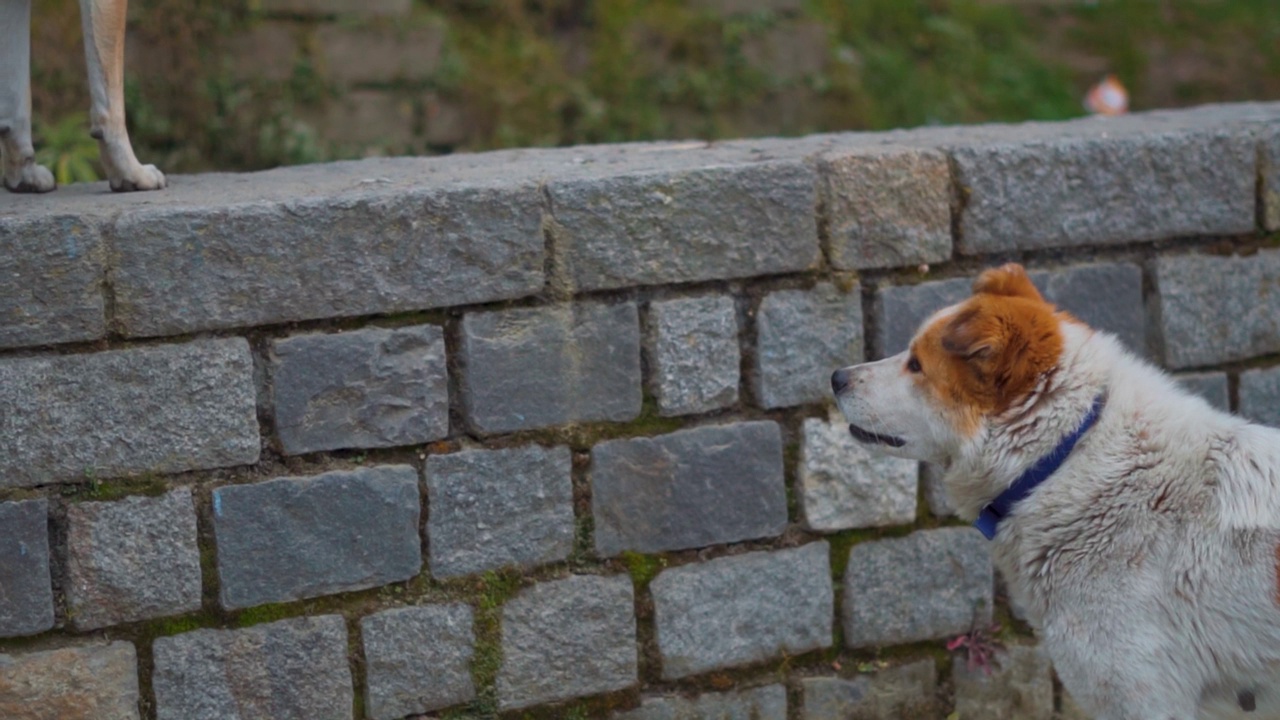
[103,23]
[18,169]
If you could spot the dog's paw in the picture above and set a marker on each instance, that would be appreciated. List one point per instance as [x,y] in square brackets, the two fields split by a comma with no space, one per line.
[144,177]
[32,178]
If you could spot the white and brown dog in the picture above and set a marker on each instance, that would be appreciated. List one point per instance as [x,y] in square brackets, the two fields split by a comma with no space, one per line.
[103,22]
[1137,526]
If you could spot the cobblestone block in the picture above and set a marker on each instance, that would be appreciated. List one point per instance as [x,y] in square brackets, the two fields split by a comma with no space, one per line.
[1107,296]
[535,367]
[743,609]
[843,485]
[694,359]
[900,309]
[927,585]
[363,389]
[26,603]
[367,120]
[1089,186]
[1194,293]
[492,508]
[379,53]
[691,488]
[293,538]
[905,691]
[1260,395]
[802,336]
[87,682]
[132,559]
[162,409]
[763,703]
[51,273]
[1212,386]
[266,50]
[185,269]
[417,659]
[566,639]
[1021,688]
[1270,170]
[887,207]
[788,52]
[288,670]
[325,8]
[658,228]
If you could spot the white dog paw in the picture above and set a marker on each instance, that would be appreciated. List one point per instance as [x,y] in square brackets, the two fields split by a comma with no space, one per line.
[32,178]
[143,177]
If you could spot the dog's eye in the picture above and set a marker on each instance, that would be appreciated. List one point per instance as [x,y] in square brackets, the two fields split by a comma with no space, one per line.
[913,364]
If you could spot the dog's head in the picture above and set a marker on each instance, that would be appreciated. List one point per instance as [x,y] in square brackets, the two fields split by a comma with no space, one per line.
[967,364]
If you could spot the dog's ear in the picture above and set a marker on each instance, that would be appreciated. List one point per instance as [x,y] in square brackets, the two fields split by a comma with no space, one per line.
[1010,280]
[972,335]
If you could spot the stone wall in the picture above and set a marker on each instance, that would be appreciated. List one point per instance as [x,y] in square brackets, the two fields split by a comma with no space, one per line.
[546,433]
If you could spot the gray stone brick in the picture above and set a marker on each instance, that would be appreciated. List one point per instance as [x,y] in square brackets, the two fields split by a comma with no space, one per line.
[132,559]
[492,508]
[927,585]
[694,359]
[688,225]
[1260,395]
[1020,688]
[535,367]
[762,703]
[935,493]
[1107,296]
[900,309]
[26,604]
[167,408]
[690,488]
[1212,386]
[905,691]
[299,537]
[379,53]
[417,659]
[743,609]
[1195,296]
[86,682]
[1089,184]
[1270,170]
[363,389]
[802,336]
[843,485]
[51,272]
[232,265]
[287,670]
[566,639]
[887,207]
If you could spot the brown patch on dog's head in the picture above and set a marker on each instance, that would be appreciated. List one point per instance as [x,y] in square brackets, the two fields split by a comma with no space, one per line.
[992,350]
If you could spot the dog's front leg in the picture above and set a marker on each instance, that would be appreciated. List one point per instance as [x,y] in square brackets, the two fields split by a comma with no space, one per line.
[103,22]
[1118,668]
[17,156]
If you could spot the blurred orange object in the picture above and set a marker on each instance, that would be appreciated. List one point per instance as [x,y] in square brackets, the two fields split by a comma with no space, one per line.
[1107,97]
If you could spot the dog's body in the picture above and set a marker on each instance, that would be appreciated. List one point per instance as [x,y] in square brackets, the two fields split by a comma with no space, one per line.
[1147,562]
[103,22]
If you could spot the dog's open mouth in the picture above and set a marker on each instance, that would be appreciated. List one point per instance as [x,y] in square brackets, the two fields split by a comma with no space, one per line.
[867,436]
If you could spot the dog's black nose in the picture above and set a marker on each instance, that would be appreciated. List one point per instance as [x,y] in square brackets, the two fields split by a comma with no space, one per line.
[839,381]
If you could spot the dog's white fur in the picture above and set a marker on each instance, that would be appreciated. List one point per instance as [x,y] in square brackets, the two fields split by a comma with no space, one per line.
[1147,562]
[103,22]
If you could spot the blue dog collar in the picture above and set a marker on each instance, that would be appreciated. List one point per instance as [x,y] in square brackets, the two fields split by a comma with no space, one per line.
[989,519]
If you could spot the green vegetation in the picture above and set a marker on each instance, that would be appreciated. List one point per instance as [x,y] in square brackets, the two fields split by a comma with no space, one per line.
[559,72]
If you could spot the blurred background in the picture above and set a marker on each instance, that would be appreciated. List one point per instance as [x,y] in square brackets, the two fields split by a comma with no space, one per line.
[250,84]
